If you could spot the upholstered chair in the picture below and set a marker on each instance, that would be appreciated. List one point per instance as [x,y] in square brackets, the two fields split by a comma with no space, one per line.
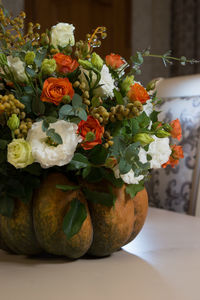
[177,188]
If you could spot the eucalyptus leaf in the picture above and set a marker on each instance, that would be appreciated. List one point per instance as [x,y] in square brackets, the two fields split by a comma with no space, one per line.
[54,136]
[124,166]
[81,113]
[77,101]
[66,110]
[74,218]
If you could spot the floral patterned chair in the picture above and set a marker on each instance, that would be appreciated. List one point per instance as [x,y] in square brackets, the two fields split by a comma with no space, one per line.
[177,188]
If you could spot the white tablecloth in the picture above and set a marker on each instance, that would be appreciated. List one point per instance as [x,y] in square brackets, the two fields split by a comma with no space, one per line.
[163,262]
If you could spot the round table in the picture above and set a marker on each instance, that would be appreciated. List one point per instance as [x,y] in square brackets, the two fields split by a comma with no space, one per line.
[163,262]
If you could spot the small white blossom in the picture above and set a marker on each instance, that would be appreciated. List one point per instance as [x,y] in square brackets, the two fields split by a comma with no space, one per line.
[159,150]
[129,177]
[62,35]
[106,82]
[148,108]
[17,67]
[47,155]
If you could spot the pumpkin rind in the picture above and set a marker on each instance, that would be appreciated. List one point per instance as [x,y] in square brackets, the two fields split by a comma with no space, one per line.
[140,211]
[17,232]
[112,226]
[50,206]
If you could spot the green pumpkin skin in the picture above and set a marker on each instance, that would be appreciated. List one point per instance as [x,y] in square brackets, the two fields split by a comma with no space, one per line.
[50,206]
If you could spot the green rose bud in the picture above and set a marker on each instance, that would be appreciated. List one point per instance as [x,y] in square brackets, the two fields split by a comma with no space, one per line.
[48,66]
[66,99]
[19,153]
[85,64]
[90,136]
[29,57]
[151,85]
[143,138]
[96,61]
[3,59]
[13,122]
[162,133]
[126,83]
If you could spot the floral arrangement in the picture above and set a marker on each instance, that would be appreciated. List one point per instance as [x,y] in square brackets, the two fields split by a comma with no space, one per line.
[64,108]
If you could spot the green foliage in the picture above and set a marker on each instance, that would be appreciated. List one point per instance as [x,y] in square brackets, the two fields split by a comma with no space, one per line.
[98,155]
[133,189]
[118,97]
[107,199]
[54,136]
[79,161]
[66,188]
[77,109]
[74,218]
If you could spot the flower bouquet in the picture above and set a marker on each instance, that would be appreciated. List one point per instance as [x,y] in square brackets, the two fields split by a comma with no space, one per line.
[78,137]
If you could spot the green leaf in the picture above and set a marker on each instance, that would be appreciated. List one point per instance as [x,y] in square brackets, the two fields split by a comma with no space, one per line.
[38,106]
[98,155]
[55,137]
[143,120]
[154,116]
[45,125]
[30,72]
[109,175]
[118,147]
[77,101]
[86,171]
[100,197]
[66,110]
[137,58]
[6,205]
[81,113]
[3,144]
[27,101]
[67,187]
[79,161]
[118,97]
[95,175]
[124,166]
[74,218]
[131,152]
[134,126]
[28,90]
[133,189]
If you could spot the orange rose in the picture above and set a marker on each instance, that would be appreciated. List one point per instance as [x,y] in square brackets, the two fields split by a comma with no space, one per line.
[138,93]
[65,63]
[114,61]
[91,131]
[177,152]
[54,89]
[176,131]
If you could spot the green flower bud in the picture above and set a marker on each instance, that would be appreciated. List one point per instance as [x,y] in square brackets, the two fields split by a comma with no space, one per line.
[13,122]
[90,136]
[162,133]
[143,138]
[66,99]
[3,59]
[126,83]
[29,57]
[86,64]
[68,50]
[151,85]
[96,61]
[48,66]
[19,153]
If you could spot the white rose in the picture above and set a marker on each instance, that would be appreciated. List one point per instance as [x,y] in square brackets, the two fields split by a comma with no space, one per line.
[159,150]
[106,82]
[129,177]
[62,35]
[47,155]
[17,67]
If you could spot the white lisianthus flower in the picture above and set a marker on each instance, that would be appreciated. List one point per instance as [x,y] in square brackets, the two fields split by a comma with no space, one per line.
[47,155]
[129,177]
[62,35]
[106,82]
[148,108]
[18,68]
[159,150]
